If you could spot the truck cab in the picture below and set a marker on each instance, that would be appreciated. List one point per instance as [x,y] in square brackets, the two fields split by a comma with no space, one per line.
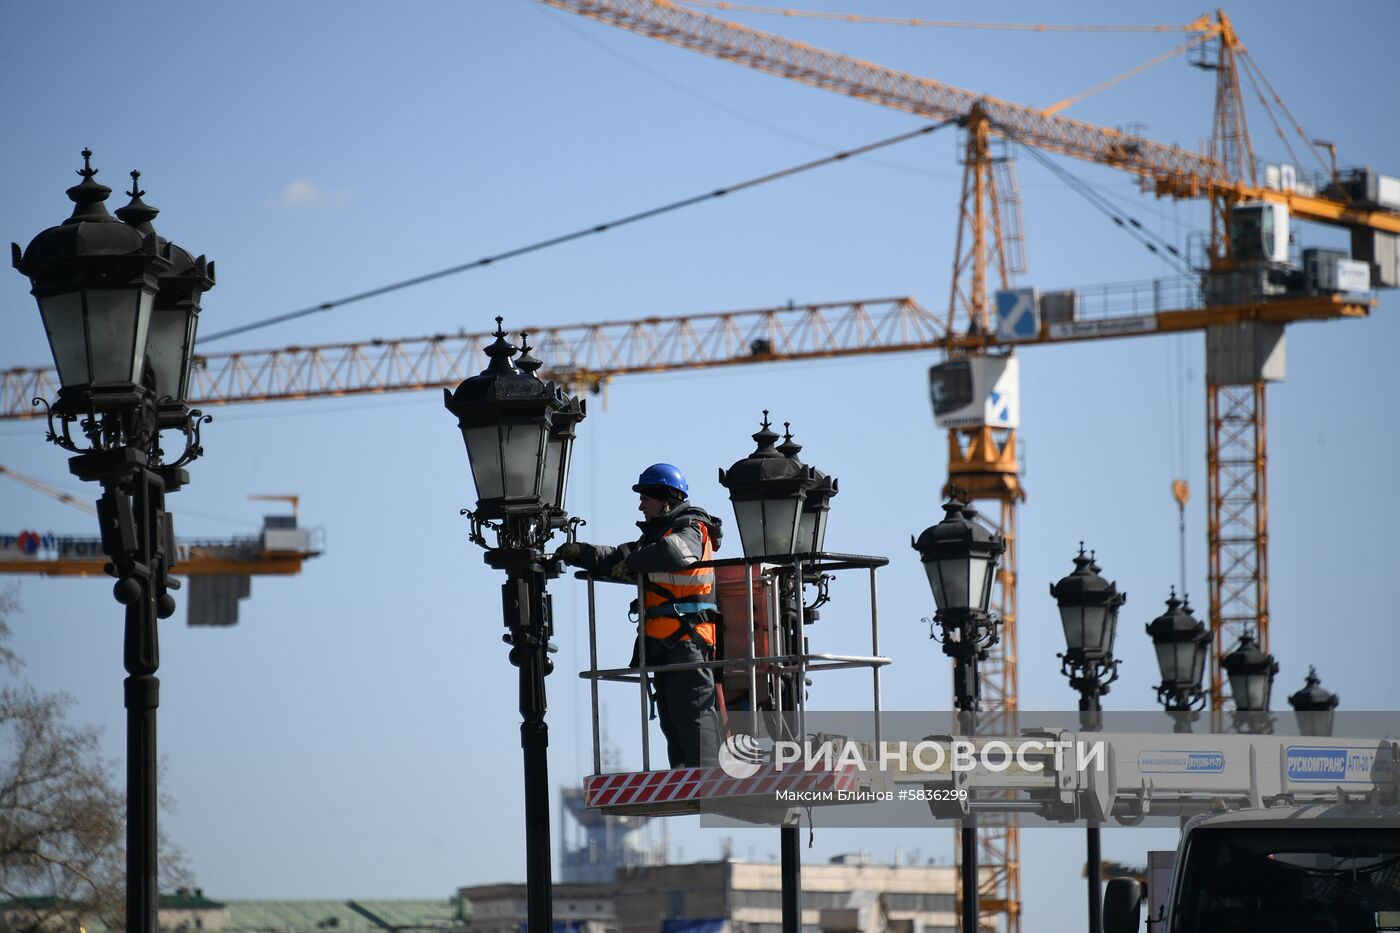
[1318,868]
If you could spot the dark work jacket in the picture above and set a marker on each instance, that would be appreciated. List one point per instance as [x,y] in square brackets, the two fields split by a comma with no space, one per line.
[669,544]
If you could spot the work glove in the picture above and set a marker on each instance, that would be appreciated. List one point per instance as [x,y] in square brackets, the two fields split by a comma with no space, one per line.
[570,553]
[619,571]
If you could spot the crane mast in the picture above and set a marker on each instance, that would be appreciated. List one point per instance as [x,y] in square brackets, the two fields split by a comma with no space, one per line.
[982,465]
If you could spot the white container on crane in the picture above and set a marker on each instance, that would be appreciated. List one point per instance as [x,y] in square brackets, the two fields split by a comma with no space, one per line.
[976,391]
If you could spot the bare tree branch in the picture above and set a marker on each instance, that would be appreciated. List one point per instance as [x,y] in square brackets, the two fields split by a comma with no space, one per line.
[62,819]
[9,605]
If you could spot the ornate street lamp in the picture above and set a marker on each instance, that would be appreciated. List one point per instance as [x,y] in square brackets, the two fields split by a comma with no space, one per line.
[519,433]
[506,416]
[960,558]
[118,304]
[1181,642]
[768,491]
[781,506]
[1251,674]
[1089,615]
[1314,706]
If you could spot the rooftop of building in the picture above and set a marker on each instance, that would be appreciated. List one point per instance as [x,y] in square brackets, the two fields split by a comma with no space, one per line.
[347,916]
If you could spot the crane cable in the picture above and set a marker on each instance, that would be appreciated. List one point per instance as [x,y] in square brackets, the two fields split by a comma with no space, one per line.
[577,234]
[1256,76]
[1119,78]
[1181,490]
[1155,244]
[1178,440]
[1192,26]
[1175,385]
[1273,117]
[682,88]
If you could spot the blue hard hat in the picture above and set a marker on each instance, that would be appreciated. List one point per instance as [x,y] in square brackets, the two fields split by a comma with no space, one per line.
[663,474]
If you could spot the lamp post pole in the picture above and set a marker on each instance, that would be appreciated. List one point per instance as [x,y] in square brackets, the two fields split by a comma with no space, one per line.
[120,305]
[780,505]
[526,613]
[960,558]
[1089,615]
[519,433]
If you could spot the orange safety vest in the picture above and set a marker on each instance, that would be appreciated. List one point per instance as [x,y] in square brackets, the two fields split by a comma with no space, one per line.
[674,593]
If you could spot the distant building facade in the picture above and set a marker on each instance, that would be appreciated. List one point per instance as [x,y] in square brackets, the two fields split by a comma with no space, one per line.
[189,909]
[186,909]
[444,915]
[848,895]
[501,908]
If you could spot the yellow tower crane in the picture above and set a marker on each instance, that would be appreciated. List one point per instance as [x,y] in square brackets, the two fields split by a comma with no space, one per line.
[982,459]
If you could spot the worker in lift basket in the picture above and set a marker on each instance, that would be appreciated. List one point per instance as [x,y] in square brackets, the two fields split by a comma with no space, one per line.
[680,608]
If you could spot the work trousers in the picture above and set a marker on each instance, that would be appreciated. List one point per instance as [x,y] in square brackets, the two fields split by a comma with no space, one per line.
[685,703]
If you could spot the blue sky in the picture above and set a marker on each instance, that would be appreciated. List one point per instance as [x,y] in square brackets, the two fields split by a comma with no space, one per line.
[356,733]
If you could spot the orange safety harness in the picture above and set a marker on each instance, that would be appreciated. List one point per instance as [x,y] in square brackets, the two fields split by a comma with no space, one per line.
[673,594]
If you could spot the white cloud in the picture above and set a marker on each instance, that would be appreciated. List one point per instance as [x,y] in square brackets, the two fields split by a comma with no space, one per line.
[303,194]
[300,192]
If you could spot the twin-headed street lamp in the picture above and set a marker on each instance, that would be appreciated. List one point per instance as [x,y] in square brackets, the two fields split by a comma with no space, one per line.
[1181,642]
[1089,616]
[1089,607]
[120,306]
[1251,675]
[960,558]
[519,434]
[781,506]
[769,490]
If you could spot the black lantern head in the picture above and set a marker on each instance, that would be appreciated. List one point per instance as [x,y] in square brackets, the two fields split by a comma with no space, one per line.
[558,451]
[1314,706]
[507,421]
[1181,641]
[816,506]
[1251,673]
[1088,611]
[768,491]
[96,280]
[175,313]
[960,557]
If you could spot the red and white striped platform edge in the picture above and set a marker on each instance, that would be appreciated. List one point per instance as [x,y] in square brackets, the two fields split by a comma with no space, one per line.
[691,789]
